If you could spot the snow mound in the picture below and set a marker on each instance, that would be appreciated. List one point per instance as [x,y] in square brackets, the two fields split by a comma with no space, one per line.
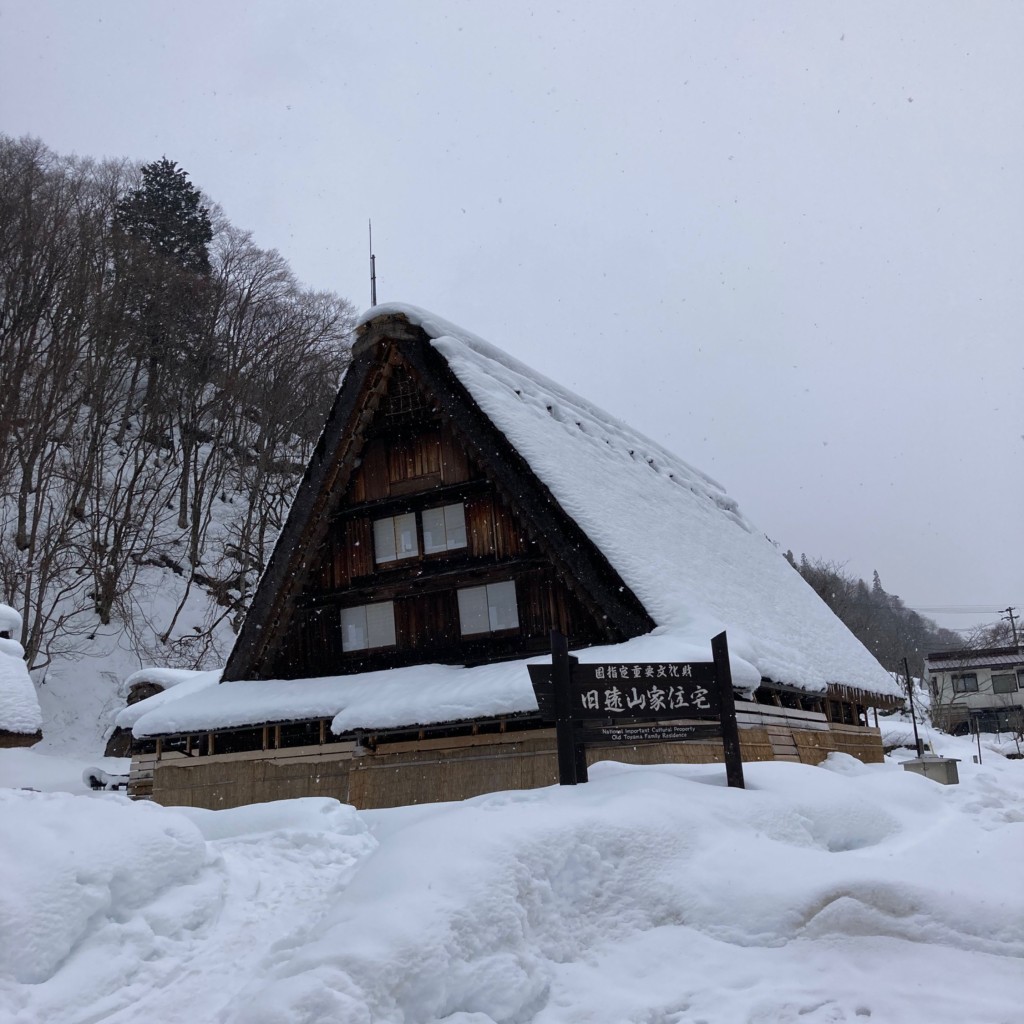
[72,867]
[653,894]
[496,905]
[19,705]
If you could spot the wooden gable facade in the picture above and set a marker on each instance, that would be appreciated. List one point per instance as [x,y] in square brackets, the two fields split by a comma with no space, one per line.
[419,534]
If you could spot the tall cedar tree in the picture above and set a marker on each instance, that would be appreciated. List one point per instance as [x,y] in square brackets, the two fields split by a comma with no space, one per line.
[167,213]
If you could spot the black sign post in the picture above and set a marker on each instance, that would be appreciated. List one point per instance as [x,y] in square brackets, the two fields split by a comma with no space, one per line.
[730,730]
[629,699]
[562,665]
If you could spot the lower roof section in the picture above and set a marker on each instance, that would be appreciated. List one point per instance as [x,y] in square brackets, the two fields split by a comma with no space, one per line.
[419,695]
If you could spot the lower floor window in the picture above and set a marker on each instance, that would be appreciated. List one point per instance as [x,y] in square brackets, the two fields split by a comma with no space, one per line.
[368,626]
[488,609]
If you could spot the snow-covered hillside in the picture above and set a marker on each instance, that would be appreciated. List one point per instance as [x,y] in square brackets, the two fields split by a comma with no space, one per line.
[657,895]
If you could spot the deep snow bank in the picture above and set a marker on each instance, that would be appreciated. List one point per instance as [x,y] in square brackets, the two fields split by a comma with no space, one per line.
[841,893]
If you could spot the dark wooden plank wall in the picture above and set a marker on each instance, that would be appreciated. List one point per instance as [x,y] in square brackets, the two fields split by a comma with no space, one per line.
[492,533]
[411,462]
[396,465]
[427,628]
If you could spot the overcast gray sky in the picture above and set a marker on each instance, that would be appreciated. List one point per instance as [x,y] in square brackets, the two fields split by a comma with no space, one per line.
[786,240]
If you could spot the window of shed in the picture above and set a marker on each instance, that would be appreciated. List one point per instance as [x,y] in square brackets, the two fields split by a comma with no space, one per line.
[394,538]
[967,683]
[1004,683]
[488,609]
[368,626]
[444,528]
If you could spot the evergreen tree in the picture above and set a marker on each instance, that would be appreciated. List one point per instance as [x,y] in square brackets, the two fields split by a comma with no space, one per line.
[167,213]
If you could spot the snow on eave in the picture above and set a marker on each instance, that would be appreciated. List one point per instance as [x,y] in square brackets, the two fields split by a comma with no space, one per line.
[182,690]
[165,678]
[416,695]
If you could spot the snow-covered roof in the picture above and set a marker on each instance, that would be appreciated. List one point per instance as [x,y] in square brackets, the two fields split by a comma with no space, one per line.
[415,695]
[672,533]
[165,678]
[956,661]
[678,541]
[19,705]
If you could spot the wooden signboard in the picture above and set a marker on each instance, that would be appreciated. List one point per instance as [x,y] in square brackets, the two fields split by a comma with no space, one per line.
[688,690]
[623,694]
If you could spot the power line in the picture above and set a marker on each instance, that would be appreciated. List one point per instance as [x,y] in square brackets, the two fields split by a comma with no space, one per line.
[964,609]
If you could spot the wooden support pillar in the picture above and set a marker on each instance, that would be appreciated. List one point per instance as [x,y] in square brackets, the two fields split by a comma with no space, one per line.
[561,678]
[730,729]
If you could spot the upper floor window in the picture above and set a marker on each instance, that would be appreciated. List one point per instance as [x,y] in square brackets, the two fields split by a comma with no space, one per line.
[397,537]
[444,528]
[488,609]
[1004,682]
[368,626]
[394,538]
[967,683]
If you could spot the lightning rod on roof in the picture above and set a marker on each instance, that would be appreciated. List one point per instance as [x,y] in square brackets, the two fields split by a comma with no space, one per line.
[373,269]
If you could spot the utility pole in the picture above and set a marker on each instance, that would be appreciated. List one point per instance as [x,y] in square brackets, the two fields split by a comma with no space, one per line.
[913,714]
[1009,616]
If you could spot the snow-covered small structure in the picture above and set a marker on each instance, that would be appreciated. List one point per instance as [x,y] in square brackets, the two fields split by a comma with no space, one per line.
[458,507]
[21,720]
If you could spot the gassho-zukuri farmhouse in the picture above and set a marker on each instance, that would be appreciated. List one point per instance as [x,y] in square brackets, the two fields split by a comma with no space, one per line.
[457,508]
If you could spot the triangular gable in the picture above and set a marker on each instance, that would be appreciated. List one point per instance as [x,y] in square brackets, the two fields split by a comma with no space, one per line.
[394,364]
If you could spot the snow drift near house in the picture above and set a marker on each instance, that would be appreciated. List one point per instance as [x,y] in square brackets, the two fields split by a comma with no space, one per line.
[19,705]
[654,894]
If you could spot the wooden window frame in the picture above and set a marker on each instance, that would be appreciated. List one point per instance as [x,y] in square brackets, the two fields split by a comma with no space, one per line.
[490,631]
[960,682]
[399,558]
[448,548]
[1012,676]
[369,646]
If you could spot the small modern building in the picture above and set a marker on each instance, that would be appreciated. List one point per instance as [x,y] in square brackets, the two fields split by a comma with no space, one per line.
[980,687]
[458,508]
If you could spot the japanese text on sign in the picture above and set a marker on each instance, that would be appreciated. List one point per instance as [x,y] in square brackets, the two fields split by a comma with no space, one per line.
[651,671]
[646,697]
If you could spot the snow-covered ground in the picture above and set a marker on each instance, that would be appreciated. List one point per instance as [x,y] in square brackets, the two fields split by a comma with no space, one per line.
[655,895]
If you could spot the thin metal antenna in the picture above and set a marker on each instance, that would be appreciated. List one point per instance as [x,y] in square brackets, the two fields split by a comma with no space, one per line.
[373,270]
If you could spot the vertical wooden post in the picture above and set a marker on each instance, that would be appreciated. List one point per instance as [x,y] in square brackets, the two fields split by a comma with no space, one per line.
[730,730]
[561,679]
[579,747]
